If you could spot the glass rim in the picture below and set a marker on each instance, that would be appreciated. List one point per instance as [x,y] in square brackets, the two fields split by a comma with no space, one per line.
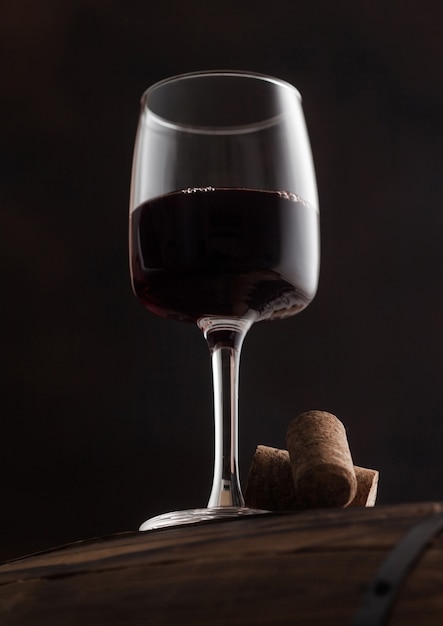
[240,73]
[266,78]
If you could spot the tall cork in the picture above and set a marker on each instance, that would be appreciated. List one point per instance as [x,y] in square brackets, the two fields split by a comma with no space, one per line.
[322,466]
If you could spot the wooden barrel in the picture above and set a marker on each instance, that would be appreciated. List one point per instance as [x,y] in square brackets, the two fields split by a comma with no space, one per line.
[291,569]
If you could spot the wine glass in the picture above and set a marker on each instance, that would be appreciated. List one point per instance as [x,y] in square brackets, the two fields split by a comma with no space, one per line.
[224,229]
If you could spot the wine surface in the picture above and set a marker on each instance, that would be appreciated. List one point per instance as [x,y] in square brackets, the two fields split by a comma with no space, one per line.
[224,252]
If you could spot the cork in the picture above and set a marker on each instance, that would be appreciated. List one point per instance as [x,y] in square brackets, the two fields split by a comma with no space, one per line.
[367,485]
[269,485]
[322,467]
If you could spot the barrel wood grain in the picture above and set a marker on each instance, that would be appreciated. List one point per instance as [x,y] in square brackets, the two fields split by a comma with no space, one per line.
[302,569]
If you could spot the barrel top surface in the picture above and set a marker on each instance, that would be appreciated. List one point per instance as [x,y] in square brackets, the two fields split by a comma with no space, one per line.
[345,528]
[277,558]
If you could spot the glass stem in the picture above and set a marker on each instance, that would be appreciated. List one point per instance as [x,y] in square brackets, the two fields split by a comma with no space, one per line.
[225,339]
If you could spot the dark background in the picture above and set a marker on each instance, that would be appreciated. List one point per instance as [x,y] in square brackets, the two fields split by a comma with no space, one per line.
[105,410]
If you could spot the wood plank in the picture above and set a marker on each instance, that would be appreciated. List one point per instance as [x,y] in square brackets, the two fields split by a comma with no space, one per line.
[304,568]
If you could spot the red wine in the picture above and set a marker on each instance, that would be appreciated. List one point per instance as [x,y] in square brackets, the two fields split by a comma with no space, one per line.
[224,252]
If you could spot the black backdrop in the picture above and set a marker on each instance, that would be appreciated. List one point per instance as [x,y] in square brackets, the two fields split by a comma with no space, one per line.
[106,410]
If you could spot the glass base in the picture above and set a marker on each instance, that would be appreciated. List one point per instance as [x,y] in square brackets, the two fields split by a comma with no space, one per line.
[194,516]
